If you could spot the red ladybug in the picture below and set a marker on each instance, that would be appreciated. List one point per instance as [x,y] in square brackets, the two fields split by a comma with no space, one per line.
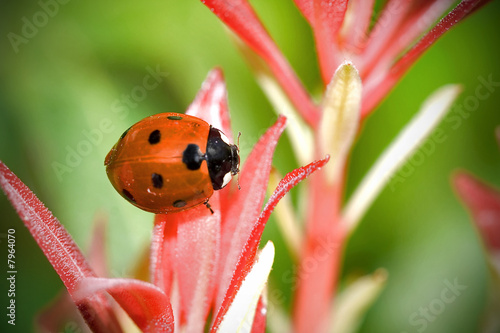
[171,162]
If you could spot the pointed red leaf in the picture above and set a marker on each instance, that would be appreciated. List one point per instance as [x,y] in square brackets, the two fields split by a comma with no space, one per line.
[59,248]
[249,251]
[240,17]
[210,104]
[483,202]
[378,90]
[391,17]
[420,16]
[460,12]
[55,242]
[145,303]
[197,254]
[356,32]
[162,254]
[326,18]
[245,204]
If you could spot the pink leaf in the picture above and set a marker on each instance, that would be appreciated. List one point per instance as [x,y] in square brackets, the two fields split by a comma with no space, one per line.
[247,256]
[391,17]
[355,35]
[326,18]
[59,248]
[198,241]
[146,304]
[162,257]
[210,104]
[377,92]
[55,242]
[245,204]
[483,202]
[240,17]
[419,17]
[189,250]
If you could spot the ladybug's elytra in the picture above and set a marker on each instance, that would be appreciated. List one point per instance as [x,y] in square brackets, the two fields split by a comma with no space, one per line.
[171,162]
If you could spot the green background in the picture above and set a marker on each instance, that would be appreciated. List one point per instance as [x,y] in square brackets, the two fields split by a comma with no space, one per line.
[68,77]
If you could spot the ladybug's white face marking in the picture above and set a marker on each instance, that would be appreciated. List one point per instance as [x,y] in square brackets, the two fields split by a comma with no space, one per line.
[227,179]
[224,138]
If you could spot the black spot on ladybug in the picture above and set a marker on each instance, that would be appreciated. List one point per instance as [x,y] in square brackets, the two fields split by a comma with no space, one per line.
[125,133]
[179,203]
[192,157]
[128,195]
[174,117]
[157,180]
[154,137]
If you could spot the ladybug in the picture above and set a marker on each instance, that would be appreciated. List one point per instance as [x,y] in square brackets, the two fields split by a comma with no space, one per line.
[171,162]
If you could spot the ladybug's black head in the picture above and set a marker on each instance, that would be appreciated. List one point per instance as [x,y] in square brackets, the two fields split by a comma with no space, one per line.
[223,158]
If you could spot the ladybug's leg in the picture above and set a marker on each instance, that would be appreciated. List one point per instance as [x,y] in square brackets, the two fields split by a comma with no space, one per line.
[208,206]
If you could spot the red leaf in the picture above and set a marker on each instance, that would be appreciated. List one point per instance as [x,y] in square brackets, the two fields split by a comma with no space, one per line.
[189,252]
[240,17]
[326,18]
[376,92]
[55,242]
[245,204]
[146,304]
[210,104]
[197,254]
[162,257]
[59,248]
[483,202]
[247,256]
[418,18]
[391,18]
[356,33]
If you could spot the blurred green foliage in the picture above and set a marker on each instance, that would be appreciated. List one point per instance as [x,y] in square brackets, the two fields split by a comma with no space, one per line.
[73,69]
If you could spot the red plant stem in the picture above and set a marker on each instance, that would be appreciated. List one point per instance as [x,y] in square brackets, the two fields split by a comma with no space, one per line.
[246,259]
[320,264]
[240,17]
